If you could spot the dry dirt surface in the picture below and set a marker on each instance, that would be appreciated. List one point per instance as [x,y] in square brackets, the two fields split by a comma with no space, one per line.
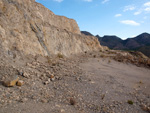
[87,83]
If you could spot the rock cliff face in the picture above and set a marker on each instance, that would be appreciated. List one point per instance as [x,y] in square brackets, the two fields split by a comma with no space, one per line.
[30,28]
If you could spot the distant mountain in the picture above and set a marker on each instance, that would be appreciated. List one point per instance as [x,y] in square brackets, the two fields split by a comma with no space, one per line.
[87,33]
[138,43]
[143,39]
[112,41]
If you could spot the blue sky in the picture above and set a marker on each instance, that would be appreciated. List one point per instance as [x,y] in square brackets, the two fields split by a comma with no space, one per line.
[123,18]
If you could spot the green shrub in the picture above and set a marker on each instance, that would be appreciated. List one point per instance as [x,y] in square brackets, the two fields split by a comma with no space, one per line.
[130,102]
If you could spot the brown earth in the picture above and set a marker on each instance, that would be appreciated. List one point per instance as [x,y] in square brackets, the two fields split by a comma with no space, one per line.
[86,83]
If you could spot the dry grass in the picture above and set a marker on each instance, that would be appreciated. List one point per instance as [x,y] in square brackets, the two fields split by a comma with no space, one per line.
[49,60]
[109,61]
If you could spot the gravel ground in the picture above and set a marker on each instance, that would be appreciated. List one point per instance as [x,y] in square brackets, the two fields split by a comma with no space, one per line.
[85,83]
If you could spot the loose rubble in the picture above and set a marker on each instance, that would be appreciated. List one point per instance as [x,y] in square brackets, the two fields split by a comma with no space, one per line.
[69,85]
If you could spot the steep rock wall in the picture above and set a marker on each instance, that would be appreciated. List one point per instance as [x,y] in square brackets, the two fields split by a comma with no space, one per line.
[29,27]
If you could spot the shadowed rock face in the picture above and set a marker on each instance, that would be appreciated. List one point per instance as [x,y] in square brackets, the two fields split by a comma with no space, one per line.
[30,28]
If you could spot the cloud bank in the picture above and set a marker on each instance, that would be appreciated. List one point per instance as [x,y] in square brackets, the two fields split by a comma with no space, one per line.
[130,22]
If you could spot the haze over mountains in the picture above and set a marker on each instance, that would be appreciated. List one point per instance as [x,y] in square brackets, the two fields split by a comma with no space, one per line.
[139,43]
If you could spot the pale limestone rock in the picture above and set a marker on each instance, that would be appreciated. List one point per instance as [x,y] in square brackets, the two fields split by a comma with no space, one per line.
[28,27]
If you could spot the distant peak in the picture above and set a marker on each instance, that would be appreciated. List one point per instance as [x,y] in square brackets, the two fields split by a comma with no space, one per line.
[145,33]
[87,33]
[97,35]
[111,36]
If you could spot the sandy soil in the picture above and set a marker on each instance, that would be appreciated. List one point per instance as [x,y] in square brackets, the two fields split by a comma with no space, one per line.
[82,84]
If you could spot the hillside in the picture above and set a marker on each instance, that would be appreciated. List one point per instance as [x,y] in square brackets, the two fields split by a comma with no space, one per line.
[139,43]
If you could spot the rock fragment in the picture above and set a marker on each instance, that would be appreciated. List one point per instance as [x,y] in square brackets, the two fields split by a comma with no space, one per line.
[52,77]
[20,83]
[11,81]
[44,101]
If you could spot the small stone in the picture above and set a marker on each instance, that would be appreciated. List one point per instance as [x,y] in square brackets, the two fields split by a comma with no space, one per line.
[26,75]
[20,83]
[49,80]
[43,100]
[20,73]
[52,77]
[45,83]
[10,82]
[62,111]
[24,100]
[145,108]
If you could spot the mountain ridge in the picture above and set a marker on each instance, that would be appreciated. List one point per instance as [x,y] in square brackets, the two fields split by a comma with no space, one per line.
[140,42]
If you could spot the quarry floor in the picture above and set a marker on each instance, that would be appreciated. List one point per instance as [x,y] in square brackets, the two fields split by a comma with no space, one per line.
[81,84]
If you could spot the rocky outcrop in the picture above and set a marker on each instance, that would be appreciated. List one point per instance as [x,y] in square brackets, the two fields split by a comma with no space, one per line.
[29,27]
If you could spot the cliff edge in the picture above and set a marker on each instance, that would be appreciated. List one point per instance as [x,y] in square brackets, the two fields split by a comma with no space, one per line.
[28,27]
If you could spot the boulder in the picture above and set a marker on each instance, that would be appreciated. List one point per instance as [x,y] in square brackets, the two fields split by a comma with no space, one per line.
[11,81]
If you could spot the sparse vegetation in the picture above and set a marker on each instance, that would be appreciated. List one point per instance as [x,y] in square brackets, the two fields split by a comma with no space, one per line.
[134,58]
[103,96]
[94,56]
[59,55]
[72,101]
[49,60]
[102,55]
[130,102]
[100,50]
[109,61]
[140,82]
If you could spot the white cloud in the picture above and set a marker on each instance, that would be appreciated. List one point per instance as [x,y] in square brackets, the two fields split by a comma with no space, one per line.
[88,0]
[104,1]
[58,0]
[129,8]
[118,15]
[137,13]
[147,4]
[147,9]
[130,22]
